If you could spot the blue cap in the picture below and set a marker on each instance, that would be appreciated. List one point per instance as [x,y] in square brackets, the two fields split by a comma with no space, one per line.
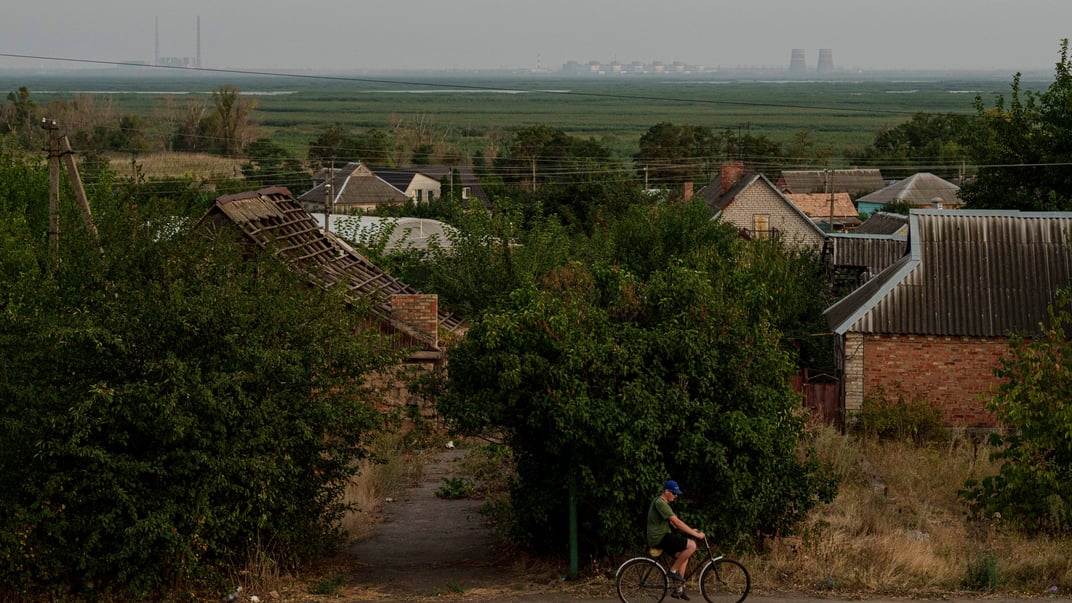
[671,485]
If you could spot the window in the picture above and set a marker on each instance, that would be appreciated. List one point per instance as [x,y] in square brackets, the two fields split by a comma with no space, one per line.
[761,226]
[420,195]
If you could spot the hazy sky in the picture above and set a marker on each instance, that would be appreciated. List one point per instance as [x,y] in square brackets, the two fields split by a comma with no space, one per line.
[340,34]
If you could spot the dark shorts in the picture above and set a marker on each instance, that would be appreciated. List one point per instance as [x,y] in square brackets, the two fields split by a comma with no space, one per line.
[672,543]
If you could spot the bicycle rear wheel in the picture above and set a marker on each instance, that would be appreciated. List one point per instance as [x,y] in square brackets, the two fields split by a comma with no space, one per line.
[641,580]
[724,581]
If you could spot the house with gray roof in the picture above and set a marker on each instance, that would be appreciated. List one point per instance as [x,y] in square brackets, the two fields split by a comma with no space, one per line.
[856,182]
[923,190]
[934,324]
[358,187]
[884,223]
[352,188]
[752,203]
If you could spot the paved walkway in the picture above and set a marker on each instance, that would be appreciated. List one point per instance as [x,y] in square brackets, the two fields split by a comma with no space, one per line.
[428,545]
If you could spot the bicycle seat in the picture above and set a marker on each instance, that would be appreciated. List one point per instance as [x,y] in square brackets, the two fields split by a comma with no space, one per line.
[654,552]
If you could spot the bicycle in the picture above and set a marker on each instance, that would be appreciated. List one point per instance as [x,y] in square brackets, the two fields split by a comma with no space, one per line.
[645,579]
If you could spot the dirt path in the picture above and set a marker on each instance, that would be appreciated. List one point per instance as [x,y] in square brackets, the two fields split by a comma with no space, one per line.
[428,546]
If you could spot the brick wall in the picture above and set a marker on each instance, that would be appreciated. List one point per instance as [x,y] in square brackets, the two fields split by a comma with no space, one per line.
[957,373]
[390,389]
[762,199]
[419,311]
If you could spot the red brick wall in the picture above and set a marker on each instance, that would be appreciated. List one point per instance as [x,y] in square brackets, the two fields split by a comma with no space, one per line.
[957,373]
[420,311]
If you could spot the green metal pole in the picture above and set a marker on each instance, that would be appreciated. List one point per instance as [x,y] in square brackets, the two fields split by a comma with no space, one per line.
[573,569]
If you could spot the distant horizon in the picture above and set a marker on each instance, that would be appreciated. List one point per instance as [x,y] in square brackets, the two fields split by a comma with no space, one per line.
[479,35]
[130,68]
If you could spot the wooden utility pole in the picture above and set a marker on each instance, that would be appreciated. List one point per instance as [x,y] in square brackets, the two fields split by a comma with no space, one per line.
[58,147]
[53,185]
[79,192]
[329,198]
[830,185]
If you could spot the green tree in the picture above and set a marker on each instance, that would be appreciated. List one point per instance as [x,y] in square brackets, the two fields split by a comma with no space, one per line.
[19,116]
[616,375]
[1024,148]
[230,122]
[170,409]
[1033,488]
[939,141]
[334,144]
[672,154]
[270,165]
[573,178]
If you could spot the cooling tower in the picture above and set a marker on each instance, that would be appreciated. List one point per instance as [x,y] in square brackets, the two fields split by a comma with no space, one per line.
[796,61]
[826,61]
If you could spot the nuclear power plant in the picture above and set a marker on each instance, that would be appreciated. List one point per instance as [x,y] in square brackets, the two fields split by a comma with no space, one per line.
[826,61]
[798,62]
[175,61]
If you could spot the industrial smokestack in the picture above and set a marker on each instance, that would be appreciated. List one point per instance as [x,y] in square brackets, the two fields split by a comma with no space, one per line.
[156,44]
[198,42]
[796,61]
[826,61]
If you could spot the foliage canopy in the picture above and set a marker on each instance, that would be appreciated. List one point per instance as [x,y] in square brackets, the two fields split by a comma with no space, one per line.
[168,408]
[617,374]
[1033,488]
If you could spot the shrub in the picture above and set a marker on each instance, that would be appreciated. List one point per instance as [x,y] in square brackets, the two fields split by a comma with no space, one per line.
[166,407]
[914,420]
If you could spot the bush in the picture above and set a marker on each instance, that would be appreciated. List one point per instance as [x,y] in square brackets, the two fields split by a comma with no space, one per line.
[902,419]
[612,380]
[166,407]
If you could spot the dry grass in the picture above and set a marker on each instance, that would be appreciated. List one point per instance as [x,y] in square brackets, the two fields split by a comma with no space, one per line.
[391,467]
[171,165]
[897,527]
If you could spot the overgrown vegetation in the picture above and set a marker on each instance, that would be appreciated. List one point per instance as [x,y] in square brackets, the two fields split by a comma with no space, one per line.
[167,407]
[899,528]
[618,372]
[1033,489]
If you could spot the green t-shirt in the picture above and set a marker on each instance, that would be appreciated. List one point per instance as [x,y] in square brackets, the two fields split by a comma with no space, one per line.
[659,515]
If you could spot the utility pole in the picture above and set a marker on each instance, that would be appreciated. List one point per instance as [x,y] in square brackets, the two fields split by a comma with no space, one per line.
[79,192]
[329,198]
[830,185]
[58,147]
[53,185]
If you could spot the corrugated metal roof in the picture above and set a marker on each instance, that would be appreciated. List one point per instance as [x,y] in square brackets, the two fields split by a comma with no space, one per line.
[919,190]
[874,253]
[274,220]
[968,273]
[882,222]
[853,181]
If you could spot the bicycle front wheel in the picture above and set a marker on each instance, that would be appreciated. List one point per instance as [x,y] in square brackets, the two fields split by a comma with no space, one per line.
[724,581]
[641,580]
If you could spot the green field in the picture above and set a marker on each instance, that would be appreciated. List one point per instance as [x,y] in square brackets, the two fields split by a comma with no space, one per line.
[465,109]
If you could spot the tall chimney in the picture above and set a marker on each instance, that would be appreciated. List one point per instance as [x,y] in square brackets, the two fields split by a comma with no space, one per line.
[198,65]
[156,44]
[731,172]
[688,192]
